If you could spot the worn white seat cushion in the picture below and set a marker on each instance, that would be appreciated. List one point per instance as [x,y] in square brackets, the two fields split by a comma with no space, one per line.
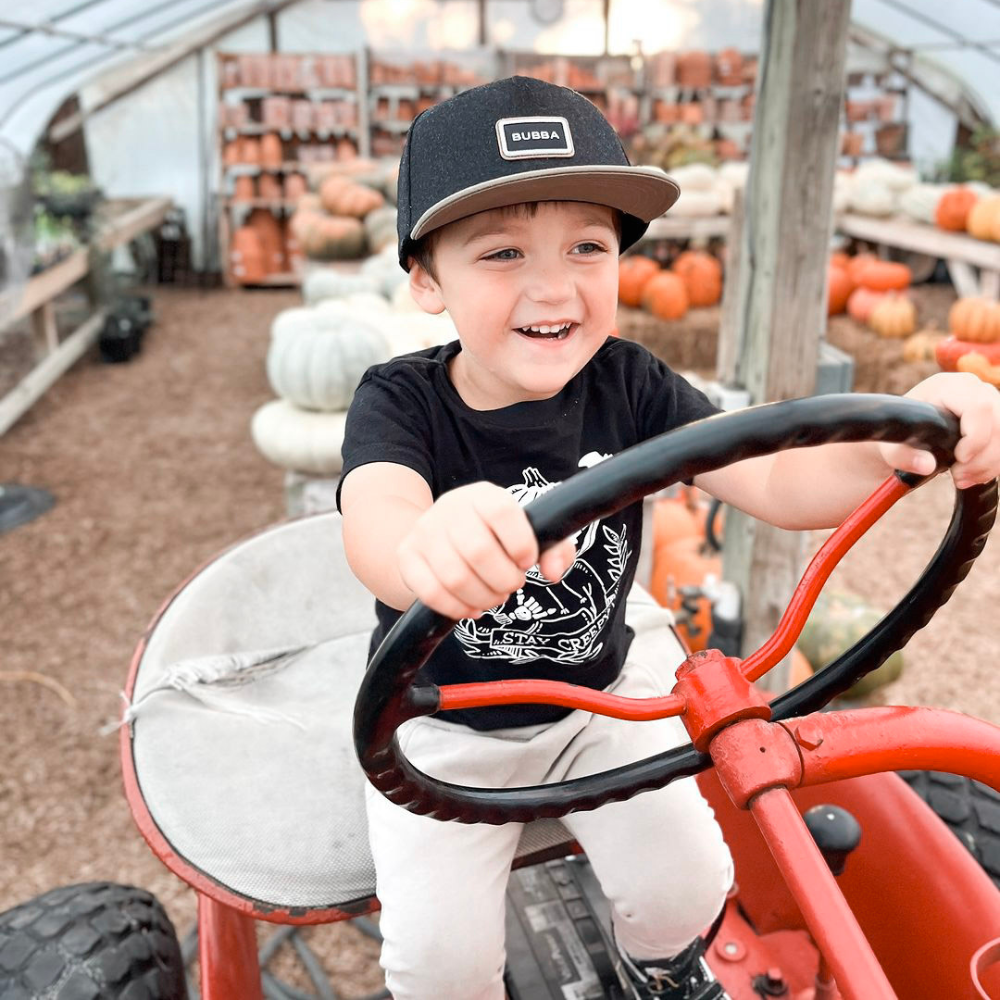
[252,778]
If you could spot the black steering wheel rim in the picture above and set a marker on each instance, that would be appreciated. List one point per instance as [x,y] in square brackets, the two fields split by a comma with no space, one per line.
[387,697]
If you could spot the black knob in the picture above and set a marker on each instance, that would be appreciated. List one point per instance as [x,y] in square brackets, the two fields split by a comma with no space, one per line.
[836,833]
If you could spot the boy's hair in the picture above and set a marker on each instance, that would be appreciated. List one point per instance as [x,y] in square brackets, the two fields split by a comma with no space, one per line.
[422,251]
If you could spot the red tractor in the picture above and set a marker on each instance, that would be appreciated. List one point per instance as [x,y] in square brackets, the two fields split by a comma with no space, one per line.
[242,777]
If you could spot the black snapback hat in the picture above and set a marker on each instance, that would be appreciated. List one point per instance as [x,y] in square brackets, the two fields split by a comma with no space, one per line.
[519,140]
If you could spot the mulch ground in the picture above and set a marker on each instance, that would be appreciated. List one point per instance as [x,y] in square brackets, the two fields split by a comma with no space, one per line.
[154,471]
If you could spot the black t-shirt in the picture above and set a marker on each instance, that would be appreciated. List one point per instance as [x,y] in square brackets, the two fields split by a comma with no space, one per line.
[407,411]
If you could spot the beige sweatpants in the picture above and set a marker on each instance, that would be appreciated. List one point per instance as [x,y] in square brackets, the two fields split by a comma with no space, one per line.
[660,856]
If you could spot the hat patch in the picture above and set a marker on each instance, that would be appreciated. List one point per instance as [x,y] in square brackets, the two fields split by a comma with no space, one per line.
[523,138]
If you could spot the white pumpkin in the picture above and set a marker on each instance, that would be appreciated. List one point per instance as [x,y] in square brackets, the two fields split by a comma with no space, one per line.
[402,301]
[328,283]
[693,203]
[299,439]
[319,369]
[380,228]
[695,177]
[920,201]
[299,319]
[384,268]
[870,197]
[726,192]
[891,175]
[735,172]
[367,302]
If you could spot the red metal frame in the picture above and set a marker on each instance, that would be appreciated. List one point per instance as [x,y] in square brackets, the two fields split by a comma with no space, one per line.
[758,761]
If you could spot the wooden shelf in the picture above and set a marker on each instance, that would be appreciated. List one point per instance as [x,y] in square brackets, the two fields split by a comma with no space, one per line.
[259,202]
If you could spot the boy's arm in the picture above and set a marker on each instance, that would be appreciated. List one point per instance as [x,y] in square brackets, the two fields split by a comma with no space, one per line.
[380,503]
[461,555]
[818,487]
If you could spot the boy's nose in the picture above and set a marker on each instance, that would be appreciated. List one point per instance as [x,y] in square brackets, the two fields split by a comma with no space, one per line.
[550,283]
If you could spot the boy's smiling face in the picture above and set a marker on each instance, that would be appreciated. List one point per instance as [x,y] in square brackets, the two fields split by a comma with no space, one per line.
[533,297]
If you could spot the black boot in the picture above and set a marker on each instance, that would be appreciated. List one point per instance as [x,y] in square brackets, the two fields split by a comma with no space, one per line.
[684,977]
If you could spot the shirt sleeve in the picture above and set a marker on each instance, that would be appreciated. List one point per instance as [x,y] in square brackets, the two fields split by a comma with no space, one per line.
[386,422]
[667,400]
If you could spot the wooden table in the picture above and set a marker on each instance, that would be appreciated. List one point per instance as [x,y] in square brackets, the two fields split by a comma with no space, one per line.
[121,221]
[963,254]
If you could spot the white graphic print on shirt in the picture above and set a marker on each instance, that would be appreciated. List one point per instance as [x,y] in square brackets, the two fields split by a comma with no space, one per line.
[560,621]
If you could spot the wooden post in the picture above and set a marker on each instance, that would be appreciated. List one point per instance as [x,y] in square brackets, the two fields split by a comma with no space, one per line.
[776,293]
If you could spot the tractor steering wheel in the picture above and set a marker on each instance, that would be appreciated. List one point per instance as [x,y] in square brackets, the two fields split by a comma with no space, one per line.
[388,696]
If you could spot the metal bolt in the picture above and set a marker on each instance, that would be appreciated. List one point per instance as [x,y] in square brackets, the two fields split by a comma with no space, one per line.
[808,735]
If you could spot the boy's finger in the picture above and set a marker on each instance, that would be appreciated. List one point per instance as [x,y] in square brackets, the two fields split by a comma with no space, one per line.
[465,582]
[556,561]
[508,522]
[908,459]
[977,425]
[420,578]
[486,556]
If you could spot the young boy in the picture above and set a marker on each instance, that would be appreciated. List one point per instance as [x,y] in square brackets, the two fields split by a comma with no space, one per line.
[515,200]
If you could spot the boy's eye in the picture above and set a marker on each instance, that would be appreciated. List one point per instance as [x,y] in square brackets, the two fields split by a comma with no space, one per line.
[588,247]
[509,254]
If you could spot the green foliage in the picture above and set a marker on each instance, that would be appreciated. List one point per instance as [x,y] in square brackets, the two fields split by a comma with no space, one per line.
[979,161]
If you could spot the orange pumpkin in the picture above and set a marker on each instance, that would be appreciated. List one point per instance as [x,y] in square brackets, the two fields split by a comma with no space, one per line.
[884,276]
[633,273]
[685,563]
[858,262]
[861,303]
[325,237]
[839,288]
[953,209]
[894,316]
[949,351]
[976,320]
[840,259]
[984,219]
[978,364]
[702,277]
[665,296]
[342,196]
[673,518]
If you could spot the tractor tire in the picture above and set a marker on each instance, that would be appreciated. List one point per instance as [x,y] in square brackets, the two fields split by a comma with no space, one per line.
[97,941]
[969,808]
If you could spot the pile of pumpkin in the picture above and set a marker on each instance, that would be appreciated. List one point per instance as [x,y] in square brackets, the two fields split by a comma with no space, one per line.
[349,216]
[686,555]
[872,292]
[346,219]
[967,208]
[974,341]
[319,352]
[693,280]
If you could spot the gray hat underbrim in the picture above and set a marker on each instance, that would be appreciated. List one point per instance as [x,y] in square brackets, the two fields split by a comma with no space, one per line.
[643,192]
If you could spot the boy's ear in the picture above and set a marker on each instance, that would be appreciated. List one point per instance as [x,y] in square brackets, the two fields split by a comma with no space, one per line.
[425,290]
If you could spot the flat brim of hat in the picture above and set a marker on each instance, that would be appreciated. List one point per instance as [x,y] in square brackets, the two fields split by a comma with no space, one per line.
[645,192]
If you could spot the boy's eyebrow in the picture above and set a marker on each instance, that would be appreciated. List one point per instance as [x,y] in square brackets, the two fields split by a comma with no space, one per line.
[504,228]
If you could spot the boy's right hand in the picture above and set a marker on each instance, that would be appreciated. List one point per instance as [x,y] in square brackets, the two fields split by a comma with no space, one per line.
[470,551]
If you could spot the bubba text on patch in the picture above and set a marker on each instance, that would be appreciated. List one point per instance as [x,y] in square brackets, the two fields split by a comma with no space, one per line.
[537,136]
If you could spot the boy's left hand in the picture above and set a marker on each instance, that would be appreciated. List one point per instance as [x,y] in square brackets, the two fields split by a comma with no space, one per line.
[977,405]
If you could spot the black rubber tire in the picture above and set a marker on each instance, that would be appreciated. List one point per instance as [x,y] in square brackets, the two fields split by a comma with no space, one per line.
[969,808]
[96,941]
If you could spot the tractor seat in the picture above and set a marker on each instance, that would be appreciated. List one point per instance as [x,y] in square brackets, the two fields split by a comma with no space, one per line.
[239,762]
